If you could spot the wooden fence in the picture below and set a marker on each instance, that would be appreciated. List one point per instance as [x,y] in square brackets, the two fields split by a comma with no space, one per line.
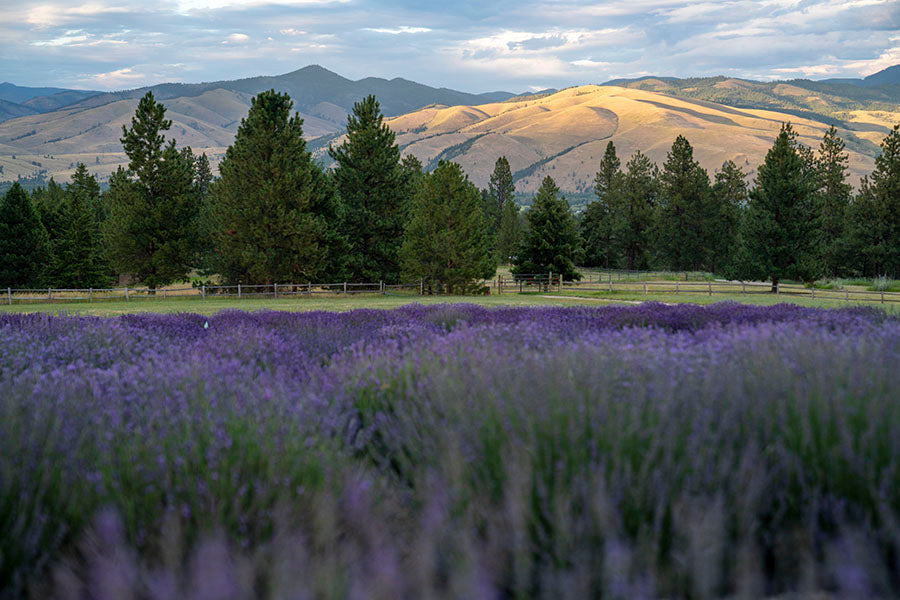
[543,282]
[275,291]
[548,282]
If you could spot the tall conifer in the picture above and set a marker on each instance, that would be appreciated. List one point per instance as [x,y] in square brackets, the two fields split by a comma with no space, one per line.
[602,225]
[640,191]
[875,213]
[552,243]
[445,243]
[373,187]
[274,211]
[684,217]
[151,229]
[23,241]
[780,234]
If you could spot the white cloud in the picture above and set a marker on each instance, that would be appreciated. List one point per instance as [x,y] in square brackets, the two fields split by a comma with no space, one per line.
[48,15]
[398,30]
[291,31]
[237,38]
[593,64]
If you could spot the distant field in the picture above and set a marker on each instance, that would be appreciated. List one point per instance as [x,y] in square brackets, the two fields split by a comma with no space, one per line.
[340,303]
[337,303]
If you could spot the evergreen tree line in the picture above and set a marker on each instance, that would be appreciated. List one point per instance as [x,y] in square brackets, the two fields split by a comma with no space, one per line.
[800,220]
[275,216]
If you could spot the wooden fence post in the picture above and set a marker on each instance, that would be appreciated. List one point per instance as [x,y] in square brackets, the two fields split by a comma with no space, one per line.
[276,291]
[126,292]
[309,288]
[882,297]
[549,280]
[345,288]
[846,295]
[203,293]
[710,288]
[239,291]
[676,286]
[743,287]
[49,294]
[381,287]
[421,286]
[777,288]
[165,294]
[645,288]
[91,297]
[813,290]
[9,295]
[610,282]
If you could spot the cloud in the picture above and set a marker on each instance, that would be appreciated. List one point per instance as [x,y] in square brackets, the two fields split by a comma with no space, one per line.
[506,44]
[397,30]
[119,77]
[237,38]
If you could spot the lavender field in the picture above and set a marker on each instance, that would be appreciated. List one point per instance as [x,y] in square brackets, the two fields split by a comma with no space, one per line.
[452,452]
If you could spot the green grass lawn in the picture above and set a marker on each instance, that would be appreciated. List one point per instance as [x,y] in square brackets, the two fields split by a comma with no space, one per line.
[342,303]
[334,303]
[699,298]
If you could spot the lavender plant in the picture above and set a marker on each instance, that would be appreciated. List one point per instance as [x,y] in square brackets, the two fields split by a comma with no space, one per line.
[451,451]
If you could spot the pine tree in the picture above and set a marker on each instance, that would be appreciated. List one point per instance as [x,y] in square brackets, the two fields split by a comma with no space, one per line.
[23,241]
[552,243]
[683,219]
[729,195]
[445,243]
[832,163]
[874,235]
[640,192]
[50,203]
[501,190]
[372,186]
[275,212]
[77,254]
[780,233]
[602,224]
[151,230]
[84,182]
[510,237]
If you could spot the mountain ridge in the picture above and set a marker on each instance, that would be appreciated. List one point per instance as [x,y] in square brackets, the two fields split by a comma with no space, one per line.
[548,132]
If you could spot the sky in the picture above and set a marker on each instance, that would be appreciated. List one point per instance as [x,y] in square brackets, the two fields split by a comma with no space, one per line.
[469,45]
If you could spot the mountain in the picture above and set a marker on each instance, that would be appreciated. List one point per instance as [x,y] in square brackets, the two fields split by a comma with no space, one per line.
[558,133]
[891,75]
[204,115]
[11,110]
[834,99]
[564,134]
[30,100]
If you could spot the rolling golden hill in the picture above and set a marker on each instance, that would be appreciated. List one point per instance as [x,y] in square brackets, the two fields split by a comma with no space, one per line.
[562,135]
[565,134]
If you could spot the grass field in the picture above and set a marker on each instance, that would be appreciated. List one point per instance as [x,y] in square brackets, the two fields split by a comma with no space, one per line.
[758,299]
[341,303]
[336,303]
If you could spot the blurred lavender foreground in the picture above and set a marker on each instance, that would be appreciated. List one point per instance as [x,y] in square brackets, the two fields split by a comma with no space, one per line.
[452,452]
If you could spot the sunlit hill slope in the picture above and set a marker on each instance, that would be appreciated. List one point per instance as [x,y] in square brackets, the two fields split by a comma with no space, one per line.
[564,134]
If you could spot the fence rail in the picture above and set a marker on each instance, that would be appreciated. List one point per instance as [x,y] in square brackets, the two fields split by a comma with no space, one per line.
[550,283]
[542,282]
[277,290]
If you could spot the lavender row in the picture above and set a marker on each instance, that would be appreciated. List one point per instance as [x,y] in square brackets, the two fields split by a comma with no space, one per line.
[451,451]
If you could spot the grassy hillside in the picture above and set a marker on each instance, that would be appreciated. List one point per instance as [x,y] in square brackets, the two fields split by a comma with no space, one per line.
[86,126]
[564,134]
